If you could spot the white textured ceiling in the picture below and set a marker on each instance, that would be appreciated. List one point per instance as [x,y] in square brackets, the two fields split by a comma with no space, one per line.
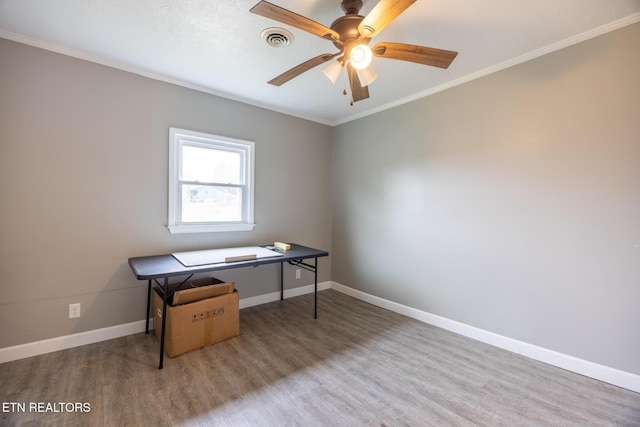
[215,45]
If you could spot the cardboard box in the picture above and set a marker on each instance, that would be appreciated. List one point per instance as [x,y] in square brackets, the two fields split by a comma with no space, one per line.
[205,313]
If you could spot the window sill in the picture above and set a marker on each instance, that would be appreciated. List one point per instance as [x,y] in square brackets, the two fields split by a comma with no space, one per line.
[177,229]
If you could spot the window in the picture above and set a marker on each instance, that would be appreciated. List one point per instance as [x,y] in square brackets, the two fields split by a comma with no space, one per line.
[210,183]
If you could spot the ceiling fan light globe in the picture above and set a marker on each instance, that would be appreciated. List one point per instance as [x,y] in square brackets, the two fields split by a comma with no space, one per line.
[360,57]
[332,71]
[366,76]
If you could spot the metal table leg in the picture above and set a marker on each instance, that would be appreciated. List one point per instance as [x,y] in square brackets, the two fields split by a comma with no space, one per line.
[315,289]
[146,315]
[281,281]
[164,319]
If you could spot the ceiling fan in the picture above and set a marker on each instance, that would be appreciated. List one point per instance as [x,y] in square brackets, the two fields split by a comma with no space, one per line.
[351,34]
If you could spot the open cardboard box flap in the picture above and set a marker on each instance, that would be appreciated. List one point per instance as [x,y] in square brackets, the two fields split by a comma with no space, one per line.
[197,289]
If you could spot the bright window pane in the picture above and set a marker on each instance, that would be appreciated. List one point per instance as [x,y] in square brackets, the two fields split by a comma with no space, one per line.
[211,165]
[209,203]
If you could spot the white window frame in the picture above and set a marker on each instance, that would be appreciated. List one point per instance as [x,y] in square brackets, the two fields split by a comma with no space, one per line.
[181,137]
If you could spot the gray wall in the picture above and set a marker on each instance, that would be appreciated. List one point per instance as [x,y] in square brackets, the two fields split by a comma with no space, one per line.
[83,187]
[510,203]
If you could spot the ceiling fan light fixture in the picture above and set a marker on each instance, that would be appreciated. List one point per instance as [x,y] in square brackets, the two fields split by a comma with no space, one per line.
[360,56]
[366,76]
[332,71]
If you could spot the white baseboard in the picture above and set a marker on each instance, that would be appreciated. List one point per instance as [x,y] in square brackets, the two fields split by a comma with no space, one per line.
[275,296]
[36,348]
[603,373]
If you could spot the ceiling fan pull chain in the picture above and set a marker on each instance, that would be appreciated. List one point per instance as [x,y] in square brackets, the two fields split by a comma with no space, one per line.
[344,81]
[344,90]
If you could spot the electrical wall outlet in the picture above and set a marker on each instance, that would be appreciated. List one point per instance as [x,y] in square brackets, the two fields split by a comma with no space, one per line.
[297,273]
[74,310]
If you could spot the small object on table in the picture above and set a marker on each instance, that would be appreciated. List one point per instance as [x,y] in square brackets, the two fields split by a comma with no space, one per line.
[240,258]
[282,246]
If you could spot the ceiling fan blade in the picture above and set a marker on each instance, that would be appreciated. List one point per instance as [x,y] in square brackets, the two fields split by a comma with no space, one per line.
[358,92]
[277,13]
[418,54]
[381,15]
[299,69]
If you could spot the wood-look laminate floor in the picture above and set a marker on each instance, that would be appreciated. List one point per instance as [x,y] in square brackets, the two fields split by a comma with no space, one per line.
[356,365]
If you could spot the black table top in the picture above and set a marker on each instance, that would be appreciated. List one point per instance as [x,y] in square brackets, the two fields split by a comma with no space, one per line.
[158,266]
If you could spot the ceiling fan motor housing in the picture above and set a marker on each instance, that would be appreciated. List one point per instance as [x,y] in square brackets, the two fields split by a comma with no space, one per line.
[347,27]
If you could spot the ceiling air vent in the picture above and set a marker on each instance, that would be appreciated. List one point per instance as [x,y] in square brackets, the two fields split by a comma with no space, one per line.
[277,37]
